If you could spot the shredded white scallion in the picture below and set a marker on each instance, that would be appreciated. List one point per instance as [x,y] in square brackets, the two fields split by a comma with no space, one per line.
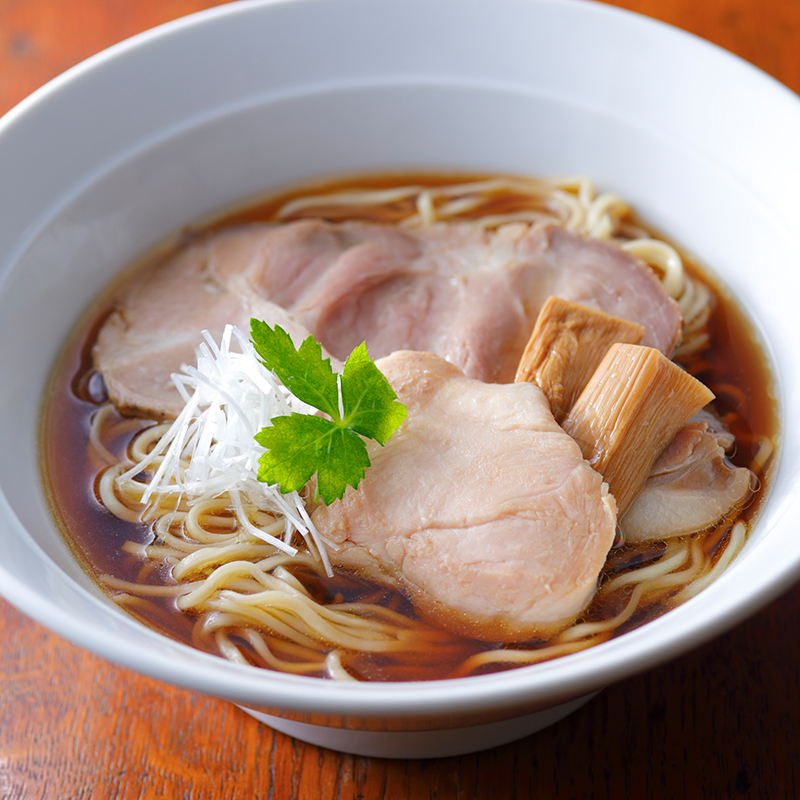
[210,449]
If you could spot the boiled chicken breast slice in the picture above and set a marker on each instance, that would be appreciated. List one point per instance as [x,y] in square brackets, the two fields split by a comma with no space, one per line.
[480,507]
[691,487]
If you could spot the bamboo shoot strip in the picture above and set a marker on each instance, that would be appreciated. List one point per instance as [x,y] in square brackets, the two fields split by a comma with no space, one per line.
[630,410]
[566,346]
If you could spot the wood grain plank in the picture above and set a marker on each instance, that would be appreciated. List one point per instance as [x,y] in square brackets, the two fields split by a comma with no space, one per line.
[719,722]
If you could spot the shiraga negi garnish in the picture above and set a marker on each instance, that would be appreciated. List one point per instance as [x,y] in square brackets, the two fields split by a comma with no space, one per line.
[358,403]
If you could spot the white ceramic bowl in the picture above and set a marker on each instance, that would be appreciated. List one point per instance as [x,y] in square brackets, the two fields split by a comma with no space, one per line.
[203,112]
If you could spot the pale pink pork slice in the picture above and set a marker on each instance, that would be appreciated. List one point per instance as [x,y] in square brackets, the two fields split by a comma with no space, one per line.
[472,296]
[480,507]
[467,294]
[158,320]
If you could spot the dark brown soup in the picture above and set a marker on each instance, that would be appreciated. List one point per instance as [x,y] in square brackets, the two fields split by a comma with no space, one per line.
[733,366]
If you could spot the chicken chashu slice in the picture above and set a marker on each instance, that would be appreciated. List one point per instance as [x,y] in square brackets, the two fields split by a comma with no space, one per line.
[468,294]
[480,508]
[692,485]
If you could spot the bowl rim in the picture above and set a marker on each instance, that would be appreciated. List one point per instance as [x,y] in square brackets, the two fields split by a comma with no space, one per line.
[250,685]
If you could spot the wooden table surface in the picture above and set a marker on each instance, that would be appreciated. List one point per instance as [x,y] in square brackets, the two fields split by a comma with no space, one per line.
[723,721]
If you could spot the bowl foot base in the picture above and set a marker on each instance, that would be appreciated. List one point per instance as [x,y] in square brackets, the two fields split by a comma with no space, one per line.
[422,744]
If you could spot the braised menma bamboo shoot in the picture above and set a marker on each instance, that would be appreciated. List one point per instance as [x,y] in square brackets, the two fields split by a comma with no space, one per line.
[567,344]
[613,419]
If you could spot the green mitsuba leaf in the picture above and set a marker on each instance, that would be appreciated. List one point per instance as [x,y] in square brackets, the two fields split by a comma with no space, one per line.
[302,445]
[303,371]
[294,446]
[344,466]
[370,405]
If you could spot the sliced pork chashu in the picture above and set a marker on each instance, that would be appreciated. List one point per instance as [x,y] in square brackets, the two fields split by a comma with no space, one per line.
[158,320]
[467,294]
[472,296]
[480,507]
